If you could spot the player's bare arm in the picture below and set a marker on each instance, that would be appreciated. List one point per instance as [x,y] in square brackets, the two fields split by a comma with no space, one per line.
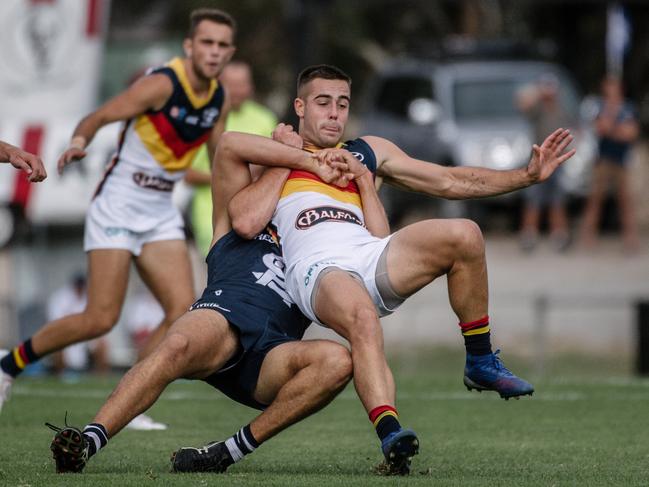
[401,170]
[147,93]
[252,208]
[20,159]
[231,173]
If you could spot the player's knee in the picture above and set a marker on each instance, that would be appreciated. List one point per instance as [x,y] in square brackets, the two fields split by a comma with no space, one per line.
[334,362]
[99,323]
[364,325]
[338,366]
[174,347]
[466,237]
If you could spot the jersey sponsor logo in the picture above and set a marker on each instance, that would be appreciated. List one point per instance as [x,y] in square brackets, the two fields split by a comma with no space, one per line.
[358,155]
[273,278]
[312,216]
[153,182]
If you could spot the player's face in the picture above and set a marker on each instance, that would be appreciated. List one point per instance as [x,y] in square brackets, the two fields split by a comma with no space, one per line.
[210,49]
[323,108]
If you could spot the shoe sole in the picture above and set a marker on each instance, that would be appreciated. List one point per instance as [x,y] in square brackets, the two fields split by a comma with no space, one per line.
[399,461]
[470,385]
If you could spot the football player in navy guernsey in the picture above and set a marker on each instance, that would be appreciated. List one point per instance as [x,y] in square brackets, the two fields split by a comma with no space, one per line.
[344,270]
[243,336]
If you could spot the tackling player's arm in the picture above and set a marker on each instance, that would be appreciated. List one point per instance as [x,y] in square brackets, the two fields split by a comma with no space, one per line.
[401,170]
[147,93]
[230,174]
[252,208]
[20,159]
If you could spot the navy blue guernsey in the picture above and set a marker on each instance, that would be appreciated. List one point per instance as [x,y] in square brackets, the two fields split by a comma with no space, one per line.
[246,285]
[363,152]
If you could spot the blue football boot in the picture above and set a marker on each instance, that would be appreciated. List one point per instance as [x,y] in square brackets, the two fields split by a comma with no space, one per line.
[398,449]
[488,373]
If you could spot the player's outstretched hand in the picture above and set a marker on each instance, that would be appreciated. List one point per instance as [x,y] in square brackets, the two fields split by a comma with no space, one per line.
[285,134]
[550,155]
[71,154]
[30,163]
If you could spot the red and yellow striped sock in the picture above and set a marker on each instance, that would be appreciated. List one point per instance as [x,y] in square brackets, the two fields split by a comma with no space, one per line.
[385,420]
[477,336]
[20,357]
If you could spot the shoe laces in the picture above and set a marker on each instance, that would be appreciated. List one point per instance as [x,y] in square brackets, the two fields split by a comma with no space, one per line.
[58,428]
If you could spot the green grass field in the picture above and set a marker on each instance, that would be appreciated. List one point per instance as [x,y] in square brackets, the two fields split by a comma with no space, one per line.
[587,424]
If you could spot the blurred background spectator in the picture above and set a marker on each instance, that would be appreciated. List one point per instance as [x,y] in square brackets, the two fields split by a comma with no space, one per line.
[81,357]
[617,129]
[540,103]
[246,115]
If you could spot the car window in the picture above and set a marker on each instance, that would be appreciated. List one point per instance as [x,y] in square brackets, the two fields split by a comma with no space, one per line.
[485,99]
[496,98]
[396,93]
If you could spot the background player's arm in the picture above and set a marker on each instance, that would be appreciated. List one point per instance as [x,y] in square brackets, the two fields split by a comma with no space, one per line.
[20,159]
[401,170]
[147,93]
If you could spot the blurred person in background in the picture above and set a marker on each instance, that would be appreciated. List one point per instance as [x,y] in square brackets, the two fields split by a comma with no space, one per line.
[541,105]
[71,299]
[168,115]
[142,316]
[24,160]
[617,128]
[246,115]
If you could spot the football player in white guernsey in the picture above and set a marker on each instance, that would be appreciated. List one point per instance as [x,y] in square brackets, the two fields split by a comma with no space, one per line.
[346,278]
[168,114]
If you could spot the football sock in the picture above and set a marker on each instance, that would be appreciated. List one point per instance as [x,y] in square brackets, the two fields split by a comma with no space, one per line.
[17,359]
[385,419]
[241,443]
[477,338]
[97,437]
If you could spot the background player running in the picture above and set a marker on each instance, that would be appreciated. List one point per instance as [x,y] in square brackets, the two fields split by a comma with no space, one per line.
[168,114]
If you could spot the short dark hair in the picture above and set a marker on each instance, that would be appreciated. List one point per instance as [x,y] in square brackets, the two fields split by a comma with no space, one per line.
[322,71]
[213,15]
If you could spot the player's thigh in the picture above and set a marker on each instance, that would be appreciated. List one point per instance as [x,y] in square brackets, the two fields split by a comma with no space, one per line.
[204,338]
[108,271]
[423,251]
[342,303]
[166,270]
[285,361]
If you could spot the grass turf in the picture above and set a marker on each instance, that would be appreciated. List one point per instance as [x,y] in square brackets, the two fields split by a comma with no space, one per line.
[585,425]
